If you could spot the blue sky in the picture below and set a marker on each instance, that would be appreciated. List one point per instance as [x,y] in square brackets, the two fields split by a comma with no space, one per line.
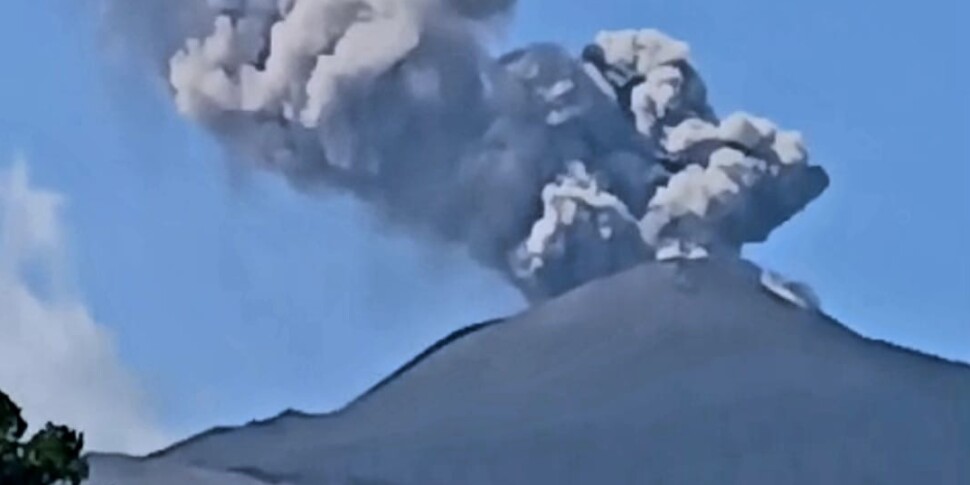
[232,298]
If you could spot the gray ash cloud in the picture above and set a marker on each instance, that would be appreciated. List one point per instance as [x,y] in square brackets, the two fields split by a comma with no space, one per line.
[551,167]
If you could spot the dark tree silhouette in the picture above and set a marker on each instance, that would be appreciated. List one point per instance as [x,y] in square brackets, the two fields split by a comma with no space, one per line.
[52,455]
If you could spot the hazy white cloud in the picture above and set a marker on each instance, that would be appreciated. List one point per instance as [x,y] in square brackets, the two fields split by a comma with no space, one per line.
[56,361]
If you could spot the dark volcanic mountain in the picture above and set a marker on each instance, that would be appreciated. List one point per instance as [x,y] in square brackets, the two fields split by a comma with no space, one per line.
[675,373]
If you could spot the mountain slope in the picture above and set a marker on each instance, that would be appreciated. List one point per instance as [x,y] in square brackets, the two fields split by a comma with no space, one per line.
[661,374]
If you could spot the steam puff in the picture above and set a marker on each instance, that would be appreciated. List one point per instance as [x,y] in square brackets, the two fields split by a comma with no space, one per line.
[550,168]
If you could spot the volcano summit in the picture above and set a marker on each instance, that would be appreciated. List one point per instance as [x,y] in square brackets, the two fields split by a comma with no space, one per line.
[682,372]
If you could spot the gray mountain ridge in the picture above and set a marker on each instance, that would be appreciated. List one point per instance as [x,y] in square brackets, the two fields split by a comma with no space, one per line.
[680,372]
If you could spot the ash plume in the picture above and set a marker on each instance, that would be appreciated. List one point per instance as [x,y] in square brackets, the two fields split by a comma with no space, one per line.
[551,167]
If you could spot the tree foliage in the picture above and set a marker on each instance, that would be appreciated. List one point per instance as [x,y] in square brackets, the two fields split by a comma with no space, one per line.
[51,456]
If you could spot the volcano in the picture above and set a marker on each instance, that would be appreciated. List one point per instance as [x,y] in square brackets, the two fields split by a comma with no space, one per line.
[676,372]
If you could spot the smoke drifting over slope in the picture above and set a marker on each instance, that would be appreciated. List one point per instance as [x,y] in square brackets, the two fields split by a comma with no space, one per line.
[551,167]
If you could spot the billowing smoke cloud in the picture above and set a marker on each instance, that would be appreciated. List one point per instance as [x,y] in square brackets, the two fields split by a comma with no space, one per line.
[551,167]
[55,360]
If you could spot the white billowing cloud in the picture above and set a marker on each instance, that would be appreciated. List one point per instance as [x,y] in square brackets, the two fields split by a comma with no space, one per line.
[55,361]
[316,47]
[575,198]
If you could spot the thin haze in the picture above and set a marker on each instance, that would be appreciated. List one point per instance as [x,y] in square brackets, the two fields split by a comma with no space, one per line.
[56,361]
